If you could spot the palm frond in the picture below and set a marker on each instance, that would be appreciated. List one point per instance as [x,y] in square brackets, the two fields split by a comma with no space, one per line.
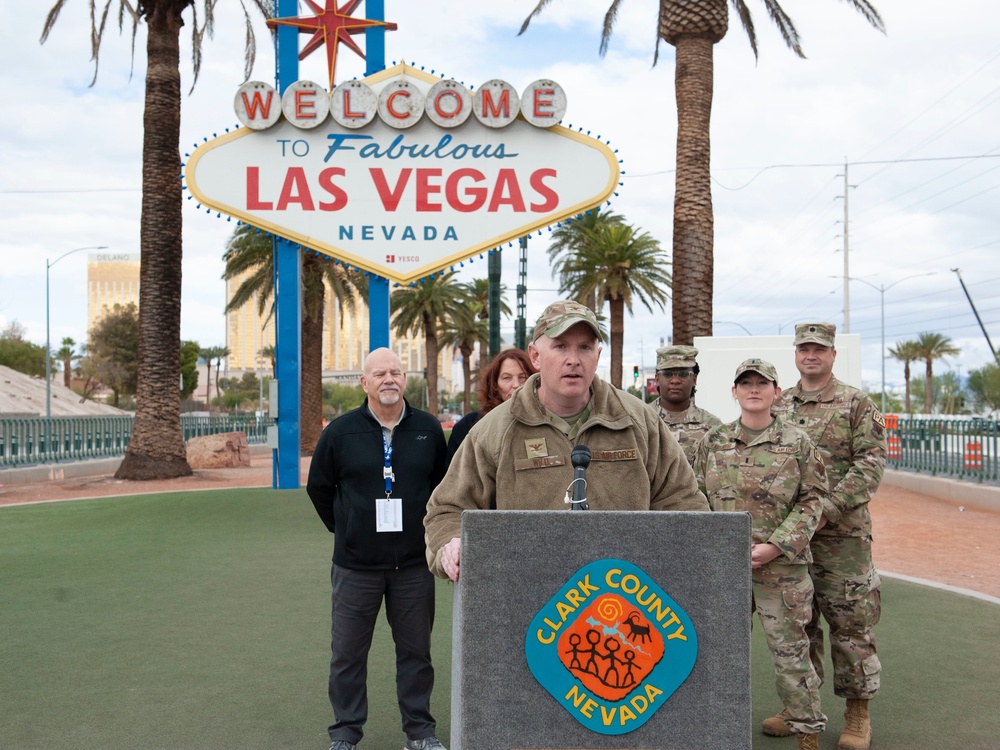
[538,9]
[785,26]
[609,25]
[746,21]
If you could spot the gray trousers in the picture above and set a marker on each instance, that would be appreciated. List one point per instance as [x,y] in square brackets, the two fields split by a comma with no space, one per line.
[409,608]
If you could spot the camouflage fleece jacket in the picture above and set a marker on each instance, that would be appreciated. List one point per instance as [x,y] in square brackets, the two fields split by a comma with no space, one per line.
[515,458]
[849,431]
[688,426]
[778,478]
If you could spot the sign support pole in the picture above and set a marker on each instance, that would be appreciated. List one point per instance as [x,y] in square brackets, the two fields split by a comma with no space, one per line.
[287,295]
[378,286]
[494,269]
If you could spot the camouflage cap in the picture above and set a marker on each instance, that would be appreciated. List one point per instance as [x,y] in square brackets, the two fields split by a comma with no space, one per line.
[560,316]
[815,333]
[759,366]
[676,357]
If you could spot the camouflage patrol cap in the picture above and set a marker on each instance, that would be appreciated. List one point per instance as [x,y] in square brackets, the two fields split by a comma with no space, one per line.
[759,366]
[560,316]
[815,333]
[676,357]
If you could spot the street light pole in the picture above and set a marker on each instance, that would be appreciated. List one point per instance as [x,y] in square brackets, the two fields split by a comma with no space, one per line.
[48,343]
[882,289]
[733,323]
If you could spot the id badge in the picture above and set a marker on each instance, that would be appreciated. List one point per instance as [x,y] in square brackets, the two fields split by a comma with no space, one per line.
[388,514]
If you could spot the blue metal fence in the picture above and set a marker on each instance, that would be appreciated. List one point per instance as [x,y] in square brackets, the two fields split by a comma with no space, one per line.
[965,448]
[36,440]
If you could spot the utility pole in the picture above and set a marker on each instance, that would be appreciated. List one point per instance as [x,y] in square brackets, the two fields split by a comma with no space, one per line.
[847,250]
[975,312]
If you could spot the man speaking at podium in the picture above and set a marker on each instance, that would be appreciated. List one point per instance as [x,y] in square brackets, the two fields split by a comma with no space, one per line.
[518,456]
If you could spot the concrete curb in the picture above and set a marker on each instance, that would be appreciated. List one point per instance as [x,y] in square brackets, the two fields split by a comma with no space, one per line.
[55,472]
[941,586]
[984,496]
[73,469]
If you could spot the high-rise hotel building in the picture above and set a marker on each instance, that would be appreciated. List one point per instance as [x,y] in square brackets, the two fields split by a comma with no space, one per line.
[345,341]
[112,279]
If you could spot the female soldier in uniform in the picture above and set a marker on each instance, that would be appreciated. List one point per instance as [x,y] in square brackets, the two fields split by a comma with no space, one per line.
[772,470]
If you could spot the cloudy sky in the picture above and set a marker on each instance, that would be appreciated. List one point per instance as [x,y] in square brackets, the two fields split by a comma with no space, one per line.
[913,115]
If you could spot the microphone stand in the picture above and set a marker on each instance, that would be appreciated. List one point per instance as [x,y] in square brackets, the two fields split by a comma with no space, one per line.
[580,458]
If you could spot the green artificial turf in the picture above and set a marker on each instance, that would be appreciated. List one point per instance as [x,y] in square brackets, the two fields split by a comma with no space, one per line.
[201,620]
[940,655]
[181,621]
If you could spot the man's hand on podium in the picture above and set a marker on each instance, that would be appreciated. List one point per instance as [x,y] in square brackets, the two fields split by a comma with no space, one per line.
[450,554]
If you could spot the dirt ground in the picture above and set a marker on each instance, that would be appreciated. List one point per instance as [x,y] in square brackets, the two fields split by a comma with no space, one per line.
[914,535]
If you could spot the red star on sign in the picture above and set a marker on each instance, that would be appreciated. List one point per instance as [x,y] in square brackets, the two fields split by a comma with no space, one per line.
[330,26]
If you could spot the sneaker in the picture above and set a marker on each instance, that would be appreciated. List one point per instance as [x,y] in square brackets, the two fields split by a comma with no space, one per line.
[342,745]
[427,743]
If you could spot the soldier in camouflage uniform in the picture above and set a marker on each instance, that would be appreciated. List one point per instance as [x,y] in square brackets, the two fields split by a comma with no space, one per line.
[676,378]
[849,431]
[772,470]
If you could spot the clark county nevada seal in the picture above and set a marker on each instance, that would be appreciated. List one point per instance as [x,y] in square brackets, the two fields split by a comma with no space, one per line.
[611,647]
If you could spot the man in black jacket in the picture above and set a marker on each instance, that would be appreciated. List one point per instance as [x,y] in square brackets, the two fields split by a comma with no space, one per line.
[371,476]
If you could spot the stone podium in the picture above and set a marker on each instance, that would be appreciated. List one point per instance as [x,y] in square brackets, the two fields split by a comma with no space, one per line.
[597,629]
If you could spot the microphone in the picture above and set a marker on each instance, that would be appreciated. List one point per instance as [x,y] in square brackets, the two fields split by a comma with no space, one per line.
[580,458]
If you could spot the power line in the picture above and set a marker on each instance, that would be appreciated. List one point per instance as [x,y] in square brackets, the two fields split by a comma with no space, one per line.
[71,192]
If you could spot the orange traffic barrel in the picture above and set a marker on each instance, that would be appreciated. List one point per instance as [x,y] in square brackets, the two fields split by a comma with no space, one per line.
[892,421]
[895,448]
[974,456]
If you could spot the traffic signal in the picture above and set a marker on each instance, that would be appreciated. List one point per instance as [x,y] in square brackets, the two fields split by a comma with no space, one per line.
[635,371]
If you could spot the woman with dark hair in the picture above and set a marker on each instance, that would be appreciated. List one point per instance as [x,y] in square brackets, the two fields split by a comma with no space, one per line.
[504,375]
[769,468]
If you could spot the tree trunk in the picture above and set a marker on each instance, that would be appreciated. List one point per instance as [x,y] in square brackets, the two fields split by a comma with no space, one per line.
[67,371]
[431,346]
[311,413]
[694,222]
[906,377]
[617,311]
[467,376]
[208,384]
[218,368]
[156,449]
[929,388]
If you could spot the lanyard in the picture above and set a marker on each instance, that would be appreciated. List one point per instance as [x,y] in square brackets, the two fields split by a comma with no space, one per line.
[387,467]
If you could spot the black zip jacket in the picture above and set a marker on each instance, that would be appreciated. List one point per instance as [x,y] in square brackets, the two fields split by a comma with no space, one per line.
[345,478]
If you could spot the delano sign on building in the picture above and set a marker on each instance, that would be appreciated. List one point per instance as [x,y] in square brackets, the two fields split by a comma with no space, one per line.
[402,174]
[112,279]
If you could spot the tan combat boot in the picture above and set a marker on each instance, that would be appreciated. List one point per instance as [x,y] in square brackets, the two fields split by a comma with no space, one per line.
[808,741]
[776,726]
[857,733]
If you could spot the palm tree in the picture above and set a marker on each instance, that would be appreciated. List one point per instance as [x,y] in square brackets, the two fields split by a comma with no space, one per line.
[906,352]
[693,27]
[479,301]
[931,346]
[269,352]
[425,309]
[250,253]
[208,354]
[67,354]
[618,264]
[156,449]
[464,332]
[570,236]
